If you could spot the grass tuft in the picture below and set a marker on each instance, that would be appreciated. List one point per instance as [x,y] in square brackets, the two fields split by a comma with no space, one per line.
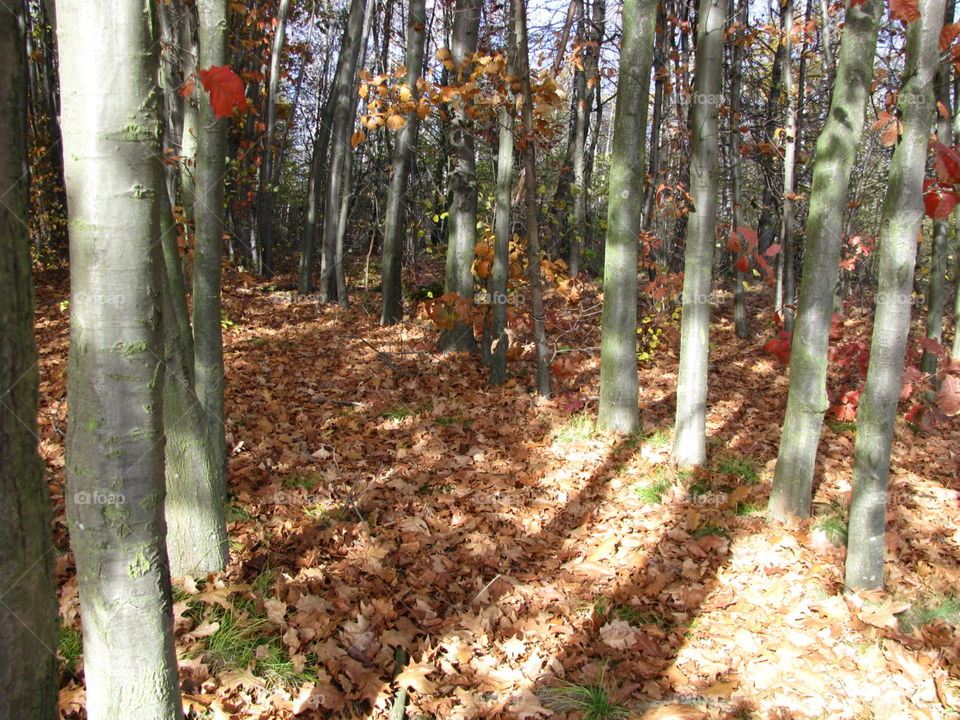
[593,701]
[580,427]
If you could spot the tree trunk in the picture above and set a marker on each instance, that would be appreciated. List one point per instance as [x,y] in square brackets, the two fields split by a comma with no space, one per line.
[114,461]
[502,231]
[937,285]
[391,310]
[344,100]
[689,446]
[28,611]
[740,319]
[207,331]
[901,218]
[618,344]
[462,178]
[786,282]
[532,205]
[267,189]
[836,150]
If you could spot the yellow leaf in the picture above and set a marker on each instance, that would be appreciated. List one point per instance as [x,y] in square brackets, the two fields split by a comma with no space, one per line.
[395,122]
[414,676]
[443,54]
[400,71]
[358,137]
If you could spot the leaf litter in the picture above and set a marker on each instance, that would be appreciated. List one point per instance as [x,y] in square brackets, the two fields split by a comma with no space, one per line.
[385,503]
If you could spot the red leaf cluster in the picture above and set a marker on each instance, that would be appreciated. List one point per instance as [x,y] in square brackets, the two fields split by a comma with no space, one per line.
[225,89]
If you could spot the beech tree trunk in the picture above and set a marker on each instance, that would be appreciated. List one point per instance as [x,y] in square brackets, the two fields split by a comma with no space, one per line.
[500,272]
[462,179]
[901,218]
[836,150]
[344,102]
[532,204]
[740,319]
[114,460]
[391,310]
[689,447]
[618,344]
[28,606]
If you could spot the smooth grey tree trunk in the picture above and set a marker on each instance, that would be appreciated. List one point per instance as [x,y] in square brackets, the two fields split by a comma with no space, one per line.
[114,459]
[499,275]
[836,150]
[689,446]
[28,606]
[902,216]
[462,179]
[785,279]
[618,344]
[391,309]
[532,205]
[344,101]
[937,284]
[740,319]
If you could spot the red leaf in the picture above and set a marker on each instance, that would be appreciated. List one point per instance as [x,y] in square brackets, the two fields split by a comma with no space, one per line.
[772,250]
[750,235]
[911,415]
[187,89]
[938,201]
[905,10]
[780,347]
[947,164]
[743,265]
[844,412]
[225,88]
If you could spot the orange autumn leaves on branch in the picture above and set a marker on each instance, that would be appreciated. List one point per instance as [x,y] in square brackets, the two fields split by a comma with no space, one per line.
[224,87]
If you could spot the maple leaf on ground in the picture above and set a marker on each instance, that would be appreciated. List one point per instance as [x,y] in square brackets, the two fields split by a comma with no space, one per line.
[948,397]
[618,634]
[527,705]
[414,677]
[225,88]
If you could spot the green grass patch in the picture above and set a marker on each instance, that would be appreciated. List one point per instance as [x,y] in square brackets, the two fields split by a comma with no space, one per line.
[639,618]
[706,530]
[307,482]
[840,426]
[937,609]
[741,467]
[399,413]
[580,427]
[70,648]
[833,521]
[593,701]
[652,492]
[236,513]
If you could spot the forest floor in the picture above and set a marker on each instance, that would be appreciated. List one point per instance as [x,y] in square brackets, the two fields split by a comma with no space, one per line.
[383,501]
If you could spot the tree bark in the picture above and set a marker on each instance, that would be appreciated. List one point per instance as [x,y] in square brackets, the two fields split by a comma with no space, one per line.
[462,179]
[836,150]
[689,446]
[344,101]
[114,460]
[28,607]
[391,310]
[937,285]
[740,319]
[267,189]
[532,205]
[618,344]
[902,216]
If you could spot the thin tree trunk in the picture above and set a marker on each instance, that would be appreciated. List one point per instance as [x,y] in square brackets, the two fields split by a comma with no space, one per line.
[785,258]
[618,345]
[901,218]
[207,331]
[462,178]
[937,285]
[391,310]
[836,150]
[741,322]
[28,611]
[689,447]
[502,232]
[267,189]
[114,460]
[344,101]
[532,205]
